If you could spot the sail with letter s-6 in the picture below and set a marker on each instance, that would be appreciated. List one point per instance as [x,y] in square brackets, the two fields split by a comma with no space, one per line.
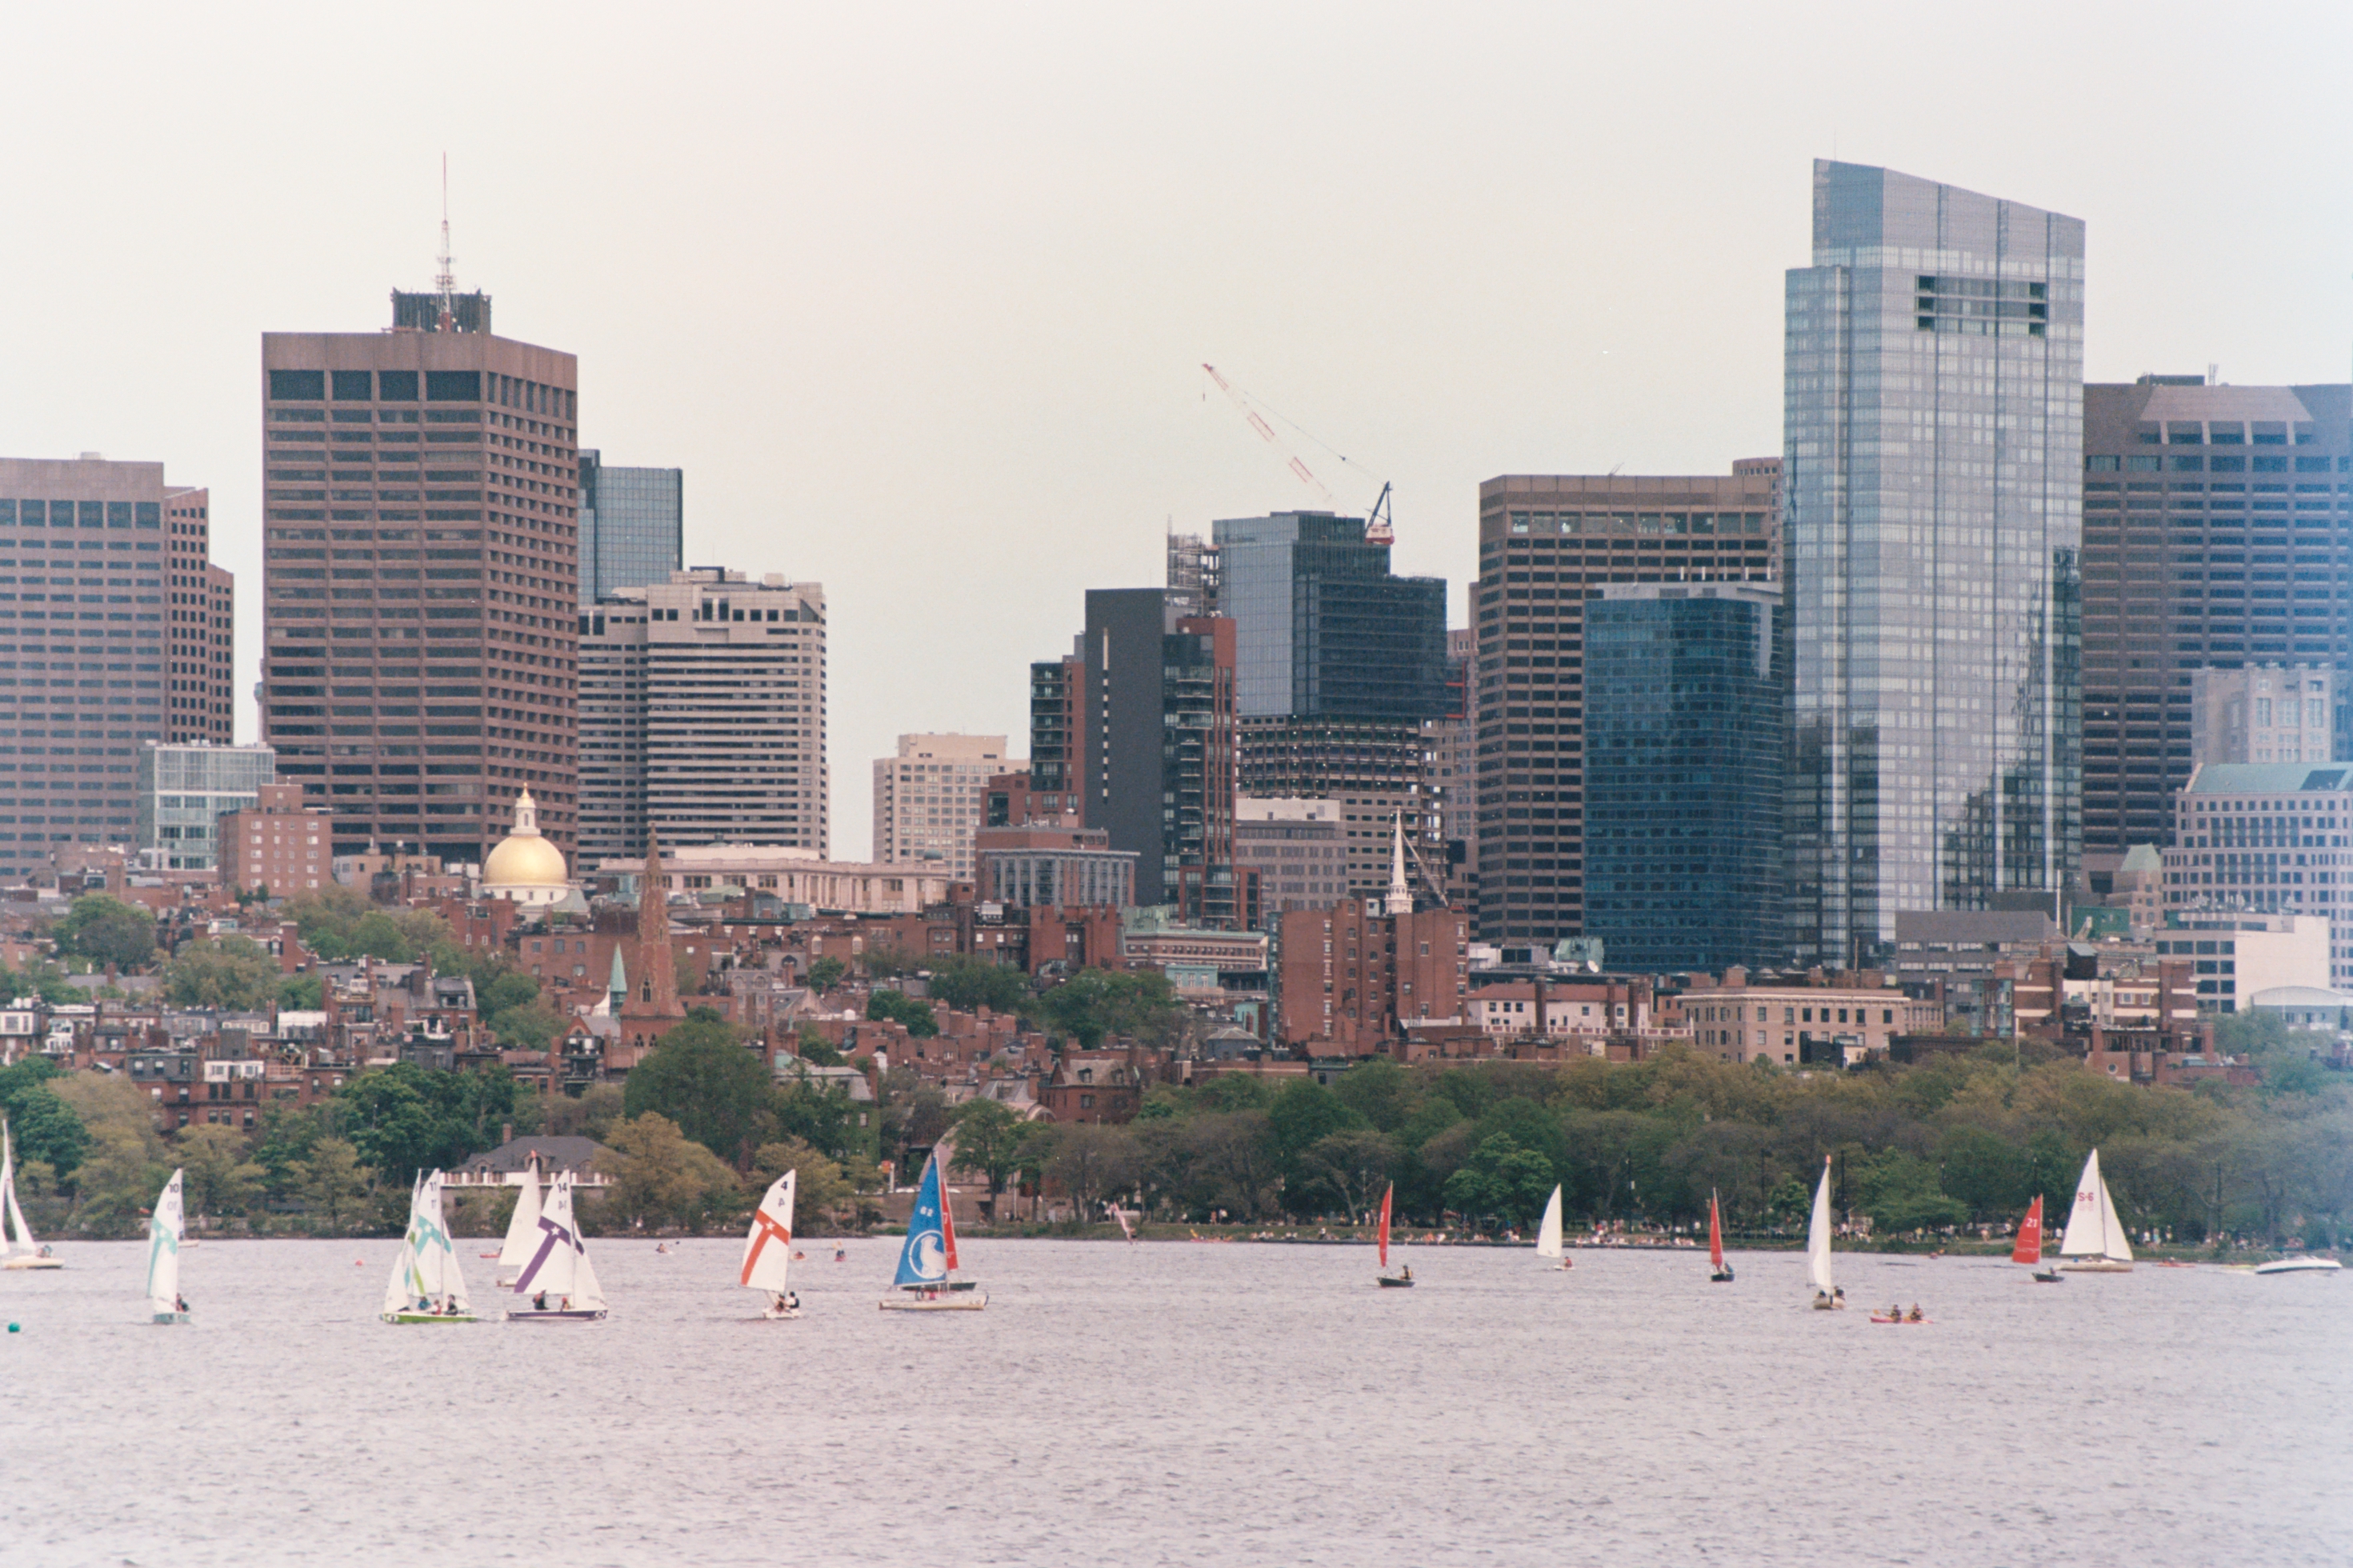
[2095,1242]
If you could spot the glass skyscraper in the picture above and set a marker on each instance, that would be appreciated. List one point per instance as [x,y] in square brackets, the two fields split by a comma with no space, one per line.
[1684,722]
[1321,628]
[632,527]
[1932,481]
[185,789]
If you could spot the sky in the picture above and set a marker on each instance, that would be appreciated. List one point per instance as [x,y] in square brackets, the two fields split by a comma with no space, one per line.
[918,296]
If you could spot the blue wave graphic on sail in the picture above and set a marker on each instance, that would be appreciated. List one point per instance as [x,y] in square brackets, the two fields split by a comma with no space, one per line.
[924,1260]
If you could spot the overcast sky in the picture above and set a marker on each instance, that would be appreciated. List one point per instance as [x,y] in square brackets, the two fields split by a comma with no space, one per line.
[918,296]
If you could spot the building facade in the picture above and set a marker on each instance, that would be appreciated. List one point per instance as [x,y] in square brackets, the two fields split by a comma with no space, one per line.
[2264,713]
[1545,542]
[1796,1020]
[1045,867]
[702,714]
[931,796]
[1058,708]
[1933,448]
[632,526]
[791,875]
[1685,748]
[281,842]
[1298,850]
[2217,527]
[1351,981]
[184,790]
[2276,838]
[200,625]
[86,642]
[421,576]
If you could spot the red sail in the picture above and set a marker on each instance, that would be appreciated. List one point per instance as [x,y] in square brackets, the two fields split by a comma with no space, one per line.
[1386,1193]
[2030,1235]
[1715,1232]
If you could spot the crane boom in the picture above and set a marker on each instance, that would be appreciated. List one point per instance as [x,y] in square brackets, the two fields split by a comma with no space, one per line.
[1257,423]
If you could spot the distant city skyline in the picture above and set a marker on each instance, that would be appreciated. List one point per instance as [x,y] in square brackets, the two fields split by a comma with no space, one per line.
[1024,423]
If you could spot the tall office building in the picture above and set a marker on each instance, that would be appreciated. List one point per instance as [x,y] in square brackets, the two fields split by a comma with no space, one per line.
[1154,742]
[2217,530]
[1685,748]
[703,715]
[421,577]
[1058,707]
[1339,663]
[85,645]
[1933,446]
[185,789]
[1450,771]
[632,526]
[932,797]
[1545,542]
[200,625]
[2264,713]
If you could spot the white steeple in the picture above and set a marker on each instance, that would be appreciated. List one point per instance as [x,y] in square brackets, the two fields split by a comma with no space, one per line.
[1401,891]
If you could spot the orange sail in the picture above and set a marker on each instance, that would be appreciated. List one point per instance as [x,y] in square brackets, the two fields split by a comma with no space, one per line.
[1386,1193]
[2030,1235]
[1715,1232]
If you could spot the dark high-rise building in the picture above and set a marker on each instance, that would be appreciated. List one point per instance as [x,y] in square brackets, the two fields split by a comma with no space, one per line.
[1933,438]
[2217,530]
[89,649]
[1156,743]
[1545,542]
[632,526]
[1058,705]
[1684,733]
[421,577]
[1340,665]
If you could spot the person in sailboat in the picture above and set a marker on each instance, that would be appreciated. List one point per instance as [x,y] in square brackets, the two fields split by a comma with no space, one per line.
[1406,1272]
[180,1303]
[539,1302]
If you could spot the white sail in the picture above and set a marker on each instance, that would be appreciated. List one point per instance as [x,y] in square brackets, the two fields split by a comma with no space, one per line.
[2088,1219]
[2119,1243]
[443,1281]
[522,1230]
[1818,1236]
[163,1231]
[559,1266]
[404,1289]
[1548,1232]
[768,1247]
[16,1236]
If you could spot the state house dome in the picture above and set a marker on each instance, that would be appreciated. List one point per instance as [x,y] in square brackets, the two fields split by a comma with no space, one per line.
[524,866]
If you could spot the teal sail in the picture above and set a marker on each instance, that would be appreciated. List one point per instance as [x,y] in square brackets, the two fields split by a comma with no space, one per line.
[930,1249]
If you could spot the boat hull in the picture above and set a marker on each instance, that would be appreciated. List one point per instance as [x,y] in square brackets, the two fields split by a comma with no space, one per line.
[553,1315]
[963,1301]
[170,1317]
[1883,1318]
[2097,1265]
[777,1315]
[2048,1277]
[14,1264]
[2300,1266]
[428,1318]
[1720,1276]
[1386,1283]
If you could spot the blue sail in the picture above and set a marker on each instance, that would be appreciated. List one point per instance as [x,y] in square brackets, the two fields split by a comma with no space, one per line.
[924,1260]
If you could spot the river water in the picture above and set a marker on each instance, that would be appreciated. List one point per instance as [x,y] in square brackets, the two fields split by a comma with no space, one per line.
[1181,1403]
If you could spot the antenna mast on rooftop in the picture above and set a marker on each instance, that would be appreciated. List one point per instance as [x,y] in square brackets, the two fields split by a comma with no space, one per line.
[445,282]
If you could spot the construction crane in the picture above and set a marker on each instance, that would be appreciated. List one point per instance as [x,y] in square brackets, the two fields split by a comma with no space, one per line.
[1379,524]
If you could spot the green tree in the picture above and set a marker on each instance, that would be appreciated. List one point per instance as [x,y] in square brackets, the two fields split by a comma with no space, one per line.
[898,1007]
[106,931]
[825,973]
[232,973]
[333,1182]
[588,1114]
[220,1179]
[1500,1179]
[390,1120]
[1900,1192]
[46,1128]
[661,1177]
[969,983]
[989,1140]
[1095,1002]
[1090,1162]
[811,1047]
[702,1077]
[302,994]
[1380,1091]
[528,1027]
[822,1196]
[283,1142]
[117,1184]
[1353,1167]
[377,935]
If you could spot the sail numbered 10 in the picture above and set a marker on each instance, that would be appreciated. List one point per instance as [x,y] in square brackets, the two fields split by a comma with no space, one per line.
[164,1226]
[426,1286]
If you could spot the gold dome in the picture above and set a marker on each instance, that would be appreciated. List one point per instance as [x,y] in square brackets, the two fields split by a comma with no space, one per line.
[524,859]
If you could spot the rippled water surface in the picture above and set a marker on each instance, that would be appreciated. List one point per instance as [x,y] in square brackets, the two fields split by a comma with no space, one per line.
[1172,1403]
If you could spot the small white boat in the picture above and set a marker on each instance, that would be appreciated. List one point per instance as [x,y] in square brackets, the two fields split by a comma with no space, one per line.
[559,1281]
[768,1249]
[929,1255]
[163,1227]
[18,1248]
[1549,1233]
[426,1285]
[2095,1242]
[1827,1297]
[523,1229]
[2300,1266]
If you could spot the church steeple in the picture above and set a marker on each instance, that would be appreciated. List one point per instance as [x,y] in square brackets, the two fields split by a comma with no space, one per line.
[656,971]
[1400,900]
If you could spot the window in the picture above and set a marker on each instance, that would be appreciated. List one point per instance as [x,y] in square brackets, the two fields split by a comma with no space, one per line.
[453,386]
[298,386]
[398,386]
[354,385]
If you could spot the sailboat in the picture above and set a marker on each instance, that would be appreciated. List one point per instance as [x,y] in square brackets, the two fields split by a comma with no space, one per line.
[523,1229]
[2095,1242]
[1403,1278]
[16,1242]
[2028,1246]
[163,1227]
[768,1248]
[1548,1232]
[426,1286]
[929,1255]
[1827,1297]
[558,1279]
[1719,1272]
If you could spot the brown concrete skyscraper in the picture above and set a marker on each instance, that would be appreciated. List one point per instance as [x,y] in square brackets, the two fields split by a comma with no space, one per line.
[421,575]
